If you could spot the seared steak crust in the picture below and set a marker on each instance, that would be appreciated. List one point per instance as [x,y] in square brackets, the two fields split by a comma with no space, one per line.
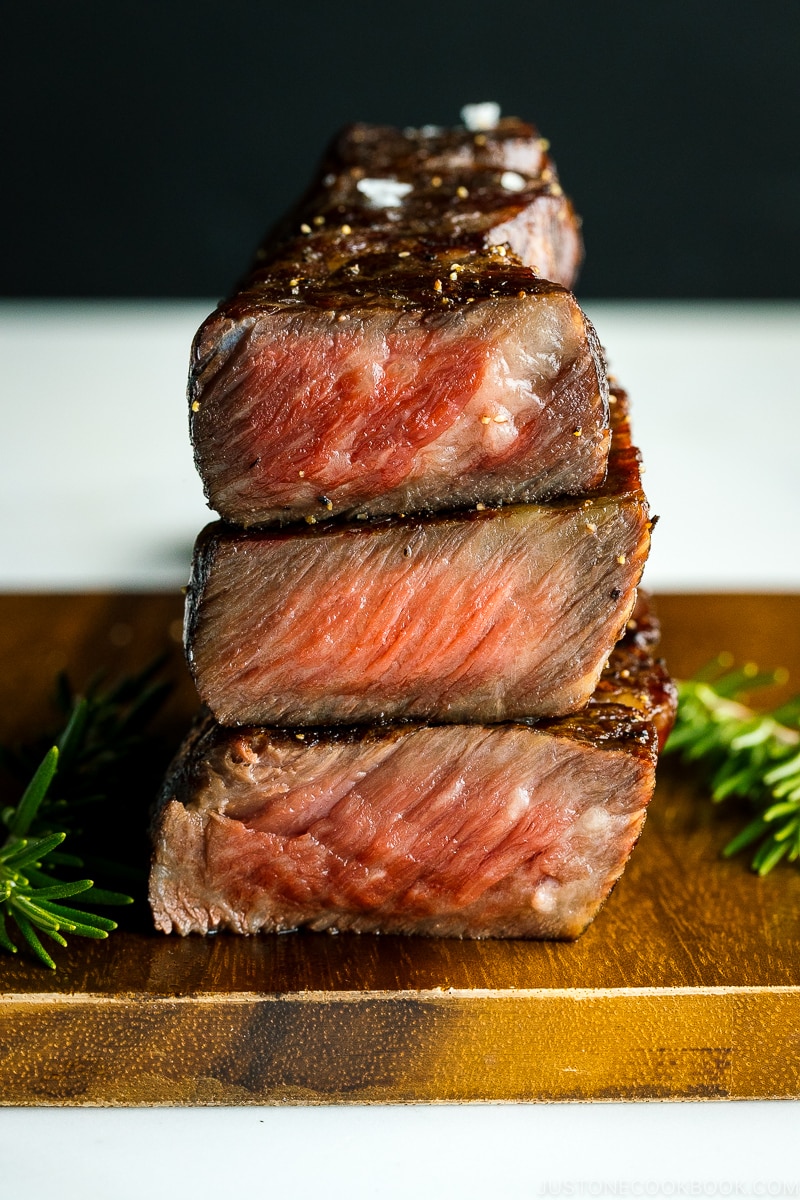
[474,190]
[511,830]
[397,354]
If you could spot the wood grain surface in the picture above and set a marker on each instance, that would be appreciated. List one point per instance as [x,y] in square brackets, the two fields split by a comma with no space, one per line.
[687,985]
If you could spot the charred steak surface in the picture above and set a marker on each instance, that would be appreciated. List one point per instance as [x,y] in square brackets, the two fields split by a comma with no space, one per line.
[457,187]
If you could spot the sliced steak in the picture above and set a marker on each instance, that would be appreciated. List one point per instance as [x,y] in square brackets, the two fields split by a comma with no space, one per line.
[480,616]
[377,393]
[512,830]
[397,352]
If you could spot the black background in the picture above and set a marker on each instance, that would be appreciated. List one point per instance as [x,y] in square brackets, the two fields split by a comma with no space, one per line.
[148,145]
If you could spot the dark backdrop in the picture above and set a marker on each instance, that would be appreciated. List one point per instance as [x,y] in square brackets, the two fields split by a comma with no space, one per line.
[149,145]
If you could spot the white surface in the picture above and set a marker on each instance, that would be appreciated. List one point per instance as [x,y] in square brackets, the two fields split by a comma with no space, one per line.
[715,393]
[445,1153]
[98,490]
[95,463]
[96,470]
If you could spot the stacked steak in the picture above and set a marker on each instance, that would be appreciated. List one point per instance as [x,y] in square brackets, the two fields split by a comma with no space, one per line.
[429,704]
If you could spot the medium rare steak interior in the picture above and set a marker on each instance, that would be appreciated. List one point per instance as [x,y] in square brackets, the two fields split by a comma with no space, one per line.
[397,346]
[469,830]
[483,616]
[376,393]
[433,532]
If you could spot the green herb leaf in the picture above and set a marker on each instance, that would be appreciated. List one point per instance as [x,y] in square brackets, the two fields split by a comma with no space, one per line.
[76,916]
[747,754]
[34,794]
[20,854]
[103,897]
[102,732]
[62,890]
[5,940]
[28,932]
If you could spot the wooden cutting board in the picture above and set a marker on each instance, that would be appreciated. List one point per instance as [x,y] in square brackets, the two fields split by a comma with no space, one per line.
[686,986]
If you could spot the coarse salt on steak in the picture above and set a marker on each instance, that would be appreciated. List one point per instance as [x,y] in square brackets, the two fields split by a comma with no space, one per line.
[394,349]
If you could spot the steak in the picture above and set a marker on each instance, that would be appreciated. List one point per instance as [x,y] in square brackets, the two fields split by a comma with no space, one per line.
[482,616]
[478,189]
[393,349]
[510,830]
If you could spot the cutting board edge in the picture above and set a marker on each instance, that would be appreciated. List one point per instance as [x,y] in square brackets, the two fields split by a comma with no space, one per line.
[704,1044]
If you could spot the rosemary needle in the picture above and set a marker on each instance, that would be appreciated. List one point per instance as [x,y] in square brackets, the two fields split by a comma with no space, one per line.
[745,753]
[102,731]
[28,895]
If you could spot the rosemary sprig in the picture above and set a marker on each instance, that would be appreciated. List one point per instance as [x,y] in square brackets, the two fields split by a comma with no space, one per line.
[745,753]
[29,895]
[103,732]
